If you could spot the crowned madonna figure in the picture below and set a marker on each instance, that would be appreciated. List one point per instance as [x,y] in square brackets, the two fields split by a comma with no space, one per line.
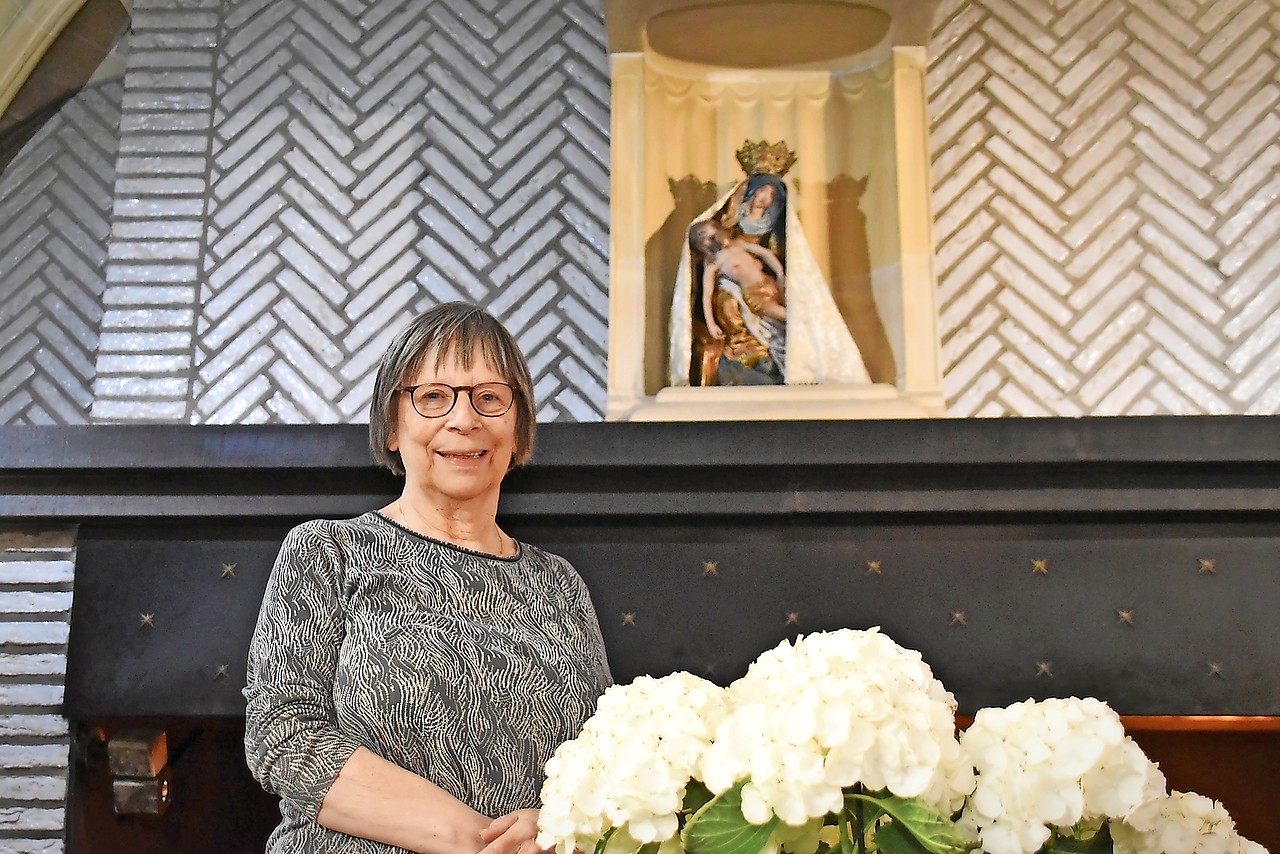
[751,306]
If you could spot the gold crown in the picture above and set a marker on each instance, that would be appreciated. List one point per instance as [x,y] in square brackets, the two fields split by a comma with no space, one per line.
[761,158]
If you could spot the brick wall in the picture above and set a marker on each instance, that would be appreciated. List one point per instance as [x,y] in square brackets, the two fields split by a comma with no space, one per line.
[36,570]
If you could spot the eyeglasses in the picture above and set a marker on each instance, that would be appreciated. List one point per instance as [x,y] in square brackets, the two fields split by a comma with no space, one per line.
[435,400]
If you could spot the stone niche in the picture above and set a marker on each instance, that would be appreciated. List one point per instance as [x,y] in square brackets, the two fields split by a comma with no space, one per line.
[843,84]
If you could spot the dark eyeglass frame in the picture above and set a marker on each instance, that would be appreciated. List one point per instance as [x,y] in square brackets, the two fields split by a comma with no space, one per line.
[469,389]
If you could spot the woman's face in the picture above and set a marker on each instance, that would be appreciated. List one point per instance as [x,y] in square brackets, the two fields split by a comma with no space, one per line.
[761,200]
[460,456]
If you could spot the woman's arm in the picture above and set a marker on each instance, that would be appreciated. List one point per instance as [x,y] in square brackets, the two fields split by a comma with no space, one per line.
[291,744]
[379,800]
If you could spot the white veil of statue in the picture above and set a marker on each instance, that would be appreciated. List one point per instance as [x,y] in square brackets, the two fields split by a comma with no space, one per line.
[819,348]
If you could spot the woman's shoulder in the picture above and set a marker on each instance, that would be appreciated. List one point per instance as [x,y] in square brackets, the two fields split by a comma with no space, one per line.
[550,562]
[340,534]
[538,555]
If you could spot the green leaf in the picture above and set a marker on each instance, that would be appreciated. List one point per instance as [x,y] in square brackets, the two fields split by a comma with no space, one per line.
[696,796]
[1097,843]
[893,838]
[718,827]
[649,848]
[604,840]
[934,833]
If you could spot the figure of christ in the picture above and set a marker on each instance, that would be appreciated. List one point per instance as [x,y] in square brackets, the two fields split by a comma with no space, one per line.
[743,303]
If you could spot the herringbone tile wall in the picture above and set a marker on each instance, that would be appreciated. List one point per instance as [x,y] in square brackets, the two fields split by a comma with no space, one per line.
[328,169]
[295,177]
[1106,190]
[55,209]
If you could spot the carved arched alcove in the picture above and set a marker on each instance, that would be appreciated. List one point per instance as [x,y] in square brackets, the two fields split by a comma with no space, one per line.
[842,84]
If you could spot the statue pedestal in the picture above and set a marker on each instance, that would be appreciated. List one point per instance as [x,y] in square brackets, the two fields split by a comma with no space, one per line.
[778,403]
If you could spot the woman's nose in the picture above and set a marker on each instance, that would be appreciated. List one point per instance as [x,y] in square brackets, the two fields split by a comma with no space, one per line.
[463,414]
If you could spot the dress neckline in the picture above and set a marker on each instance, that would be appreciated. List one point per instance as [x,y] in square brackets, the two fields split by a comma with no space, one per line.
[421,536]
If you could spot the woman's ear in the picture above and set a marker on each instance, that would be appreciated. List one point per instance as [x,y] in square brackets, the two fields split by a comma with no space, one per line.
[393,440]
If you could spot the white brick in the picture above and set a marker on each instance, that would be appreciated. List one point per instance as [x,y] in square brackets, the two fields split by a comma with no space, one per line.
[33,846]
[48,755]
[36,571]
[43,788]
[33,633]
[18,602]
[32,664]
[17,694]
[30,818]
[41,726]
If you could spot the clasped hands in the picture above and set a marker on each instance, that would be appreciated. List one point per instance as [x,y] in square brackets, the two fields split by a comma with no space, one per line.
[513,833]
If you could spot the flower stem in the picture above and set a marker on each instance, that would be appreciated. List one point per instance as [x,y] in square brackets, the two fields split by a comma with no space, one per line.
[862,826]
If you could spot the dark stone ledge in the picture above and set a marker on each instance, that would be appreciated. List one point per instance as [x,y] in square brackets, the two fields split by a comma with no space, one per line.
[1201,465]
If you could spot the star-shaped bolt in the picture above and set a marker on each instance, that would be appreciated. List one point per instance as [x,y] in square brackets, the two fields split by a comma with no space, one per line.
[223,672]
[1124,617]
[711,567]
[229,570]
[1040,566]
[1207,566]
[873,567]
[628,619]
[958,618]
[1215,669]
[146,621]
[793,618]
[1044,668]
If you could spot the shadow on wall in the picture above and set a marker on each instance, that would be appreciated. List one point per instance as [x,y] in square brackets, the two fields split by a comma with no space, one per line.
[851,276]
[68,64]
[689,197]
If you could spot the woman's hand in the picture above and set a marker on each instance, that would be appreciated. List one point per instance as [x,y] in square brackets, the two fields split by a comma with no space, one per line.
[513,833]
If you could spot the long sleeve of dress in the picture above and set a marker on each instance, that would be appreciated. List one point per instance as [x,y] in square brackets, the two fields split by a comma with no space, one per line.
[583,606]
[291,742]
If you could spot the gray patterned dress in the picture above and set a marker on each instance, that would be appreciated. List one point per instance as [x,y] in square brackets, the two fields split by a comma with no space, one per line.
[465,668]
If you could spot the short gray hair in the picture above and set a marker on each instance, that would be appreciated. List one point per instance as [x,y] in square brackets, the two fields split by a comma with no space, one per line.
[458,328]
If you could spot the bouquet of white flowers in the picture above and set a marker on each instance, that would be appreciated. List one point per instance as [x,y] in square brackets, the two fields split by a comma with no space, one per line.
[1181,823]
[1051,765]
[626,774]
[846,740]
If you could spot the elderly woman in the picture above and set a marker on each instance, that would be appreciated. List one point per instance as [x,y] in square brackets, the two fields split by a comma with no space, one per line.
[413,668]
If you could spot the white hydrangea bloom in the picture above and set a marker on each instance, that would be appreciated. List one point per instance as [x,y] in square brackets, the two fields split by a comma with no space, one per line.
[629,767]
[1180,823]
[834,709]
[1051,763]
[1248,846]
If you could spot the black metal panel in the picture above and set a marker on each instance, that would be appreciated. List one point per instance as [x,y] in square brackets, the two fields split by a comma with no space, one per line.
[967,596]
[952,513]
[160,625]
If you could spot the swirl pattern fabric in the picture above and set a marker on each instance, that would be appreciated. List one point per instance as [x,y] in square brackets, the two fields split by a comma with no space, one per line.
[465,668]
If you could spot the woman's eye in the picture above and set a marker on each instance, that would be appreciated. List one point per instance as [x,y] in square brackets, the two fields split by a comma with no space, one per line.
[433,396]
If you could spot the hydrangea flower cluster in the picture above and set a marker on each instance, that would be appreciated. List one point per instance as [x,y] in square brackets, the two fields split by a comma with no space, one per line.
[1052,763]
[1180,823]
[629,767]
[835,709]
